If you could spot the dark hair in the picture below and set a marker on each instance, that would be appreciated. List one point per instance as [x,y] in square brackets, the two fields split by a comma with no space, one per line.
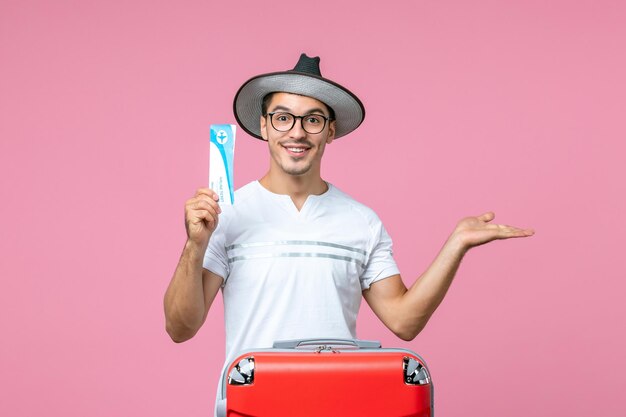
[268,97]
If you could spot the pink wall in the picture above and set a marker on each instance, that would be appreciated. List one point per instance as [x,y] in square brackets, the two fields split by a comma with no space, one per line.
[516,107]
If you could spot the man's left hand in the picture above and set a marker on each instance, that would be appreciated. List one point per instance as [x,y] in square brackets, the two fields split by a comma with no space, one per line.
[476,231]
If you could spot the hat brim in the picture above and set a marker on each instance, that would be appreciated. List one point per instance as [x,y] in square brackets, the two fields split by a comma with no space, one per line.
[349,110]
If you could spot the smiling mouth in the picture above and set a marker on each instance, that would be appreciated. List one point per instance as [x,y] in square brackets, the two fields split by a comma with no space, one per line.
[296,150]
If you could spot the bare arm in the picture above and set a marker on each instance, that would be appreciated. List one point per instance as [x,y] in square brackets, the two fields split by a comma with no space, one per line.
[192,288]
[406,312]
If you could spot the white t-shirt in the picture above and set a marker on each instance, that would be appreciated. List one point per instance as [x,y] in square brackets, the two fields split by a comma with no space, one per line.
[292,274]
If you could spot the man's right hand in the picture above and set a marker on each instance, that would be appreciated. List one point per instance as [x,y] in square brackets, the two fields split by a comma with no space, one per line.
[201,216]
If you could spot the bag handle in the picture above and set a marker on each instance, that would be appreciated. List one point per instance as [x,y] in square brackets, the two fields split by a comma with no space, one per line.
[361,344]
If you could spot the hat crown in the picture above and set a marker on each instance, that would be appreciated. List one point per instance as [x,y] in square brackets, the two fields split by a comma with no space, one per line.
[308,65]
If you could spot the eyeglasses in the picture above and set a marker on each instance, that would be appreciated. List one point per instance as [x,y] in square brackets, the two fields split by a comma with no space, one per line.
[311,123]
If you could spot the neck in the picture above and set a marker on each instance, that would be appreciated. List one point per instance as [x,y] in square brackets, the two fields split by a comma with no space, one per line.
[298,187]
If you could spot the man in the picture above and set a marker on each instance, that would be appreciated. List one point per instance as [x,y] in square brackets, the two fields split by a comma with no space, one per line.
[294,255]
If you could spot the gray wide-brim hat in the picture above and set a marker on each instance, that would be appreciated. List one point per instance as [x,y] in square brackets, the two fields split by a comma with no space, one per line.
[306,80]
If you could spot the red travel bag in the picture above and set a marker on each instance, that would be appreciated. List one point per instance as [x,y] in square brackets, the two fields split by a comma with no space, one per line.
[327,378]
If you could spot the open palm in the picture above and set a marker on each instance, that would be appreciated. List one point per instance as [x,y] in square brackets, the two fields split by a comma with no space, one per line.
[476,231]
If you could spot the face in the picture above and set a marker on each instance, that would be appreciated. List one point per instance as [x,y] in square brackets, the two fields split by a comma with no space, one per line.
[296,152]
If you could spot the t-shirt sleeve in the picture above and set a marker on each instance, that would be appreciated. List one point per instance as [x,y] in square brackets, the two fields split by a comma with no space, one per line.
[380,263]
[215,257]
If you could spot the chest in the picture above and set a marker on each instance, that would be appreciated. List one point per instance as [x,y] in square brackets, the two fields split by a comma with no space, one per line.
[279,250]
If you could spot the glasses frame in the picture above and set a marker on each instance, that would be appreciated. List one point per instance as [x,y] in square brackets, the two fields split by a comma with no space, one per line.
[326,120]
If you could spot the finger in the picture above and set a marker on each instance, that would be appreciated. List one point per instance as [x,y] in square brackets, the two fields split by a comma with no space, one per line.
[203,216]
[193,214]
[506,232]
[203,201]
[508,227]
[527,232]
[487,217]
[208,192]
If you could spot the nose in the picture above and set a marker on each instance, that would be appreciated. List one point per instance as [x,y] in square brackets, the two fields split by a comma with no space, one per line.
[297,131]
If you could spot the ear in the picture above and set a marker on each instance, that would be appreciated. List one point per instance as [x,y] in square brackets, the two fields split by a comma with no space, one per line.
[331,132]
[263,123]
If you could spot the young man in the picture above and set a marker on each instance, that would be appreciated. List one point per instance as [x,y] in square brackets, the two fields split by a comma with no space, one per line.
[294,255]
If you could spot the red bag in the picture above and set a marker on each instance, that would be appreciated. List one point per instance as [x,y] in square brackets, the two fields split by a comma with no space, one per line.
[327,378]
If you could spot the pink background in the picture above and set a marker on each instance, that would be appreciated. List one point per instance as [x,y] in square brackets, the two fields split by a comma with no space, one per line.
[515,107]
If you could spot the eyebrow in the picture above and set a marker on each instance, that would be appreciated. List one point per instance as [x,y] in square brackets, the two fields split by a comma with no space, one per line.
[310,111]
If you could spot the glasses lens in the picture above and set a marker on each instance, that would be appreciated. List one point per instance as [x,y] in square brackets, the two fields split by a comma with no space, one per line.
[282,121]
[313,123]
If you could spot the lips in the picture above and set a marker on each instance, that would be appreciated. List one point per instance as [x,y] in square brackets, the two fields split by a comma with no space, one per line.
[296,150]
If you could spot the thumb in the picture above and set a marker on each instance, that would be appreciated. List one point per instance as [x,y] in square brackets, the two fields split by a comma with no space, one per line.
[487,217]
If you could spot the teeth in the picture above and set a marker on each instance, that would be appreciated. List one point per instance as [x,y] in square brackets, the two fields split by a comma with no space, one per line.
[296,150]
